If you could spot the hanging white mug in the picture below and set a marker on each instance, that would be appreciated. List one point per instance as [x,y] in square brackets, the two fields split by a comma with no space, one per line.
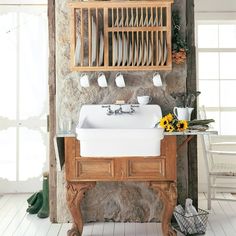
[157,79]
[84,80]
[120,82]
[102,82]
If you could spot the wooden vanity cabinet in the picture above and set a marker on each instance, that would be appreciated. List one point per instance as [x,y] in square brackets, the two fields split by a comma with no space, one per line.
[159,172]
[162,167]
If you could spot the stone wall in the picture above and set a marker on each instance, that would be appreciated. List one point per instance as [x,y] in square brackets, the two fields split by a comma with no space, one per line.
[113,201]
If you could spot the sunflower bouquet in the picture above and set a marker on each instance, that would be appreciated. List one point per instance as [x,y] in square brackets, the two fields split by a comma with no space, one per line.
[170,123]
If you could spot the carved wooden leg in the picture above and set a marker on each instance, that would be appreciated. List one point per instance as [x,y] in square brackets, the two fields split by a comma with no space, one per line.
[75,194]
[168,193]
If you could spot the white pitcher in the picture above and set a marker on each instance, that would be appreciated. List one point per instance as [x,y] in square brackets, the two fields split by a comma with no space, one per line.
[190,109]
[183,113]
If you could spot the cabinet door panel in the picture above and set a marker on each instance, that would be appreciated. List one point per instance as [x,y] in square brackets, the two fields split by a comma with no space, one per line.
[146,168]
[95,169]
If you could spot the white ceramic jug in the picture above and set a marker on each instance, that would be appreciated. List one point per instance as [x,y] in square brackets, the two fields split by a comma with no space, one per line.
[190,109]
[183,113]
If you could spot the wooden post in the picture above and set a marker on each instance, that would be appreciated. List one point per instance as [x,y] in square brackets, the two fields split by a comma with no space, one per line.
[52,111]
[191,86]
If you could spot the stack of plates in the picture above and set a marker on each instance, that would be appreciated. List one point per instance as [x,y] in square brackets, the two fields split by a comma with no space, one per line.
[141,54]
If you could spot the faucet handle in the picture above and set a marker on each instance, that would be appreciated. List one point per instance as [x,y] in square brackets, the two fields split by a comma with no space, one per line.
[109,110]
[106,106]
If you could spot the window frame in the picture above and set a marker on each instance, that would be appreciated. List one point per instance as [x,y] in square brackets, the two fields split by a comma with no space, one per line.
[214,19]
[19,184]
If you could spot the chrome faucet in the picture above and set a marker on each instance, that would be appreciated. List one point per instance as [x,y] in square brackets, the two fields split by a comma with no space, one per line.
[109,110]
[119,111]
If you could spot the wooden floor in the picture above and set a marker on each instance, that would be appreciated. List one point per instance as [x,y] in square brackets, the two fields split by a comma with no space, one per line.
[15,221]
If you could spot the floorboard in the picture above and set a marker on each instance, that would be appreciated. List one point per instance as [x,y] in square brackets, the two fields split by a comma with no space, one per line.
[140,229]
[119,229]
[130,229]
[54,229]
[16,222]
[88,229]
[108,229]
[13,208]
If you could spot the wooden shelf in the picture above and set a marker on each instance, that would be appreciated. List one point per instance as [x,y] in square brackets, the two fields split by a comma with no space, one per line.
[121,36]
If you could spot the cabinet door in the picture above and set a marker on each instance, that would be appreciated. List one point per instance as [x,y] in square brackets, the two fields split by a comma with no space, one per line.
[94,169]
[146,168]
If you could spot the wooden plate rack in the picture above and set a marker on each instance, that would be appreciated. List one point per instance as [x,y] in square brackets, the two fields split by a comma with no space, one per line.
[124,35]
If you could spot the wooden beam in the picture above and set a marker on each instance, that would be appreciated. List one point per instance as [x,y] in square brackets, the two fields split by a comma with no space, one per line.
[191,86]
[52,111]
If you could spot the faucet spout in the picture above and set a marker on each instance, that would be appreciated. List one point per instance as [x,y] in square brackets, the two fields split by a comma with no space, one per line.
[119,111]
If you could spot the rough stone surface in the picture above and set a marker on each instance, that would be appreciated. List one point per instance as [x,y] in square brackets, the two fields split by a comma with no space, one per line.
[113,201]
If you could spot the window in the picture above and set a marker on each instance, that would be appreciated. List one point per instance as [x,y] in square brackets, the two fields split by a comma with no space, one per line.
[216,72]
[23,96]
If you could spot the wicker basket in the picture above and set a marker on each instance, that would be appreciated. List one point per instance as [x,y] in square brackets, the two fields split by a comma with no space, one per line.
[191,225]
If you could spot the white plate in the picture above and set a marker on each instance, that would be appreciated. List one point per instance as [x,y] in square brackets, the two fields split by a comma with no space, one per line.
[136,20]
[159,52]
[120,23]
[165,51]
[130,54]
[131,18]
[145,23]
[120,50]
[159,18]
[140,54]
[140,22]
[155,22]
[149,53]
[114,52]
[94,40]
[126,19]
[135,54]
[115,19]
[145,49]
[154,18]
[125,50]
[77,51]
[101,49]
[150,21]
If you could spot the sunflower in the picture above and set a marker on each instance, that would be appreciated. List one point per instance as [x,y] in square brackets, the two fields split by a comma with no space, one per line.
[170,117]
[164,122]
[170,128]
[182,125]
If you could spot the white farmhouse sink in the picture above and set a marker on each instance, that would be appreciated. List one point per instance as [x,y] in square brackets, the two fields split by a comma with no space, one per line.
[120,135]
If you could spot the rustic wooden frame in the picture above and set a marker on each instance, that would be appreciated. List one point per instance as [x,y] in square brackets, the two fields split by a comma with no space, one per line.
[110,28]
[191,84]
[52,111]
